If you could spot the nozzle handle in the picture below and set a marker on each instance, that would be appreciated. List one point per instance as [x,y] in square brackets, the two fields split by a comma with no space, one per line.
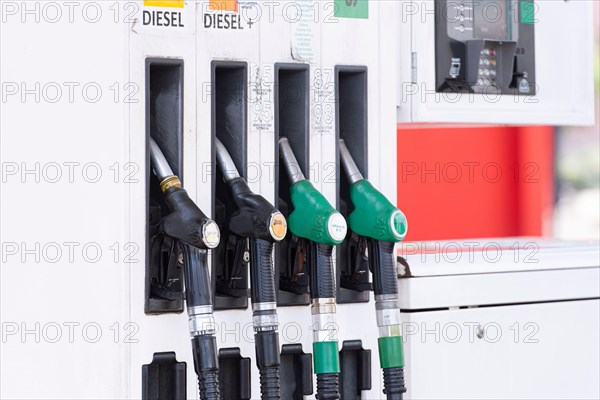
[196,275]
[382,263]
[262,274]
[322,271]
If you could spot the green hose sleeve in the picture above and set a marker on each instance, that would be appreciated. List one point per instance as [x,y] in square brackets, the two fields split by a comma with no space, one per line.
[326,357]
[391,354]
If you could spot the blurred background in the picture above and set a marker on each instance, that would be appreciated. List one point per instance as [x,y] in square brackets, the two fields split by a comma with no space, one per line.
[497,181]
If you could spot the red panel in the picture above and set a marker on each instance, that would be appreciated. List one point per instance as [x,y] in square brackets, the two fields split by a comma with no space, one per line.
[536,185]
[474,182]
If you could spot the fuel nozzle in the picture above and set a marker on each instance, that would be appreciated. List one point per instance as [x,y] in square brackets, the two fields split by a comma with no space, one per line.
[373,216]
[313,217]
[186,222]
[322,226]
[196,234]
[263,225]
[382,224]
[255,216]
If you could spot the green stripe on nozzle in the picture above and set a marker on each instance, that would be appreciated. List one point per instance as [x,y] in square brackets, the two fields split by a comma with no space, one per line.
[391,353]
[326,357]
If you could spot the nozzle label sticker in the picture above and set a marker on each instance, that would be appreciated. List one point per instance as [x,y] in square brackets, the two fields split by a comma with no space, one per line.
[278,226]
[352,9]
[303,31]
[211,235]
[336,225]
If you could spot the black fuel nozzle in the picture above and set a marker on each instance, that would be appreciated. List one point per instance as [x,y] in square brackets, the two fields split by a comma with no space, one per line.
[196,233]
[187,222]
[255,217]
[257,220]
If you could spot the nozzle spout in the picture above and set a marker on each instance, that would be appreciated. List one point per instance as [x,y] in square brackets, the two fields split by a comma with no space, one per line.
[289,160]
[348,164]
[226,163]
[160,165]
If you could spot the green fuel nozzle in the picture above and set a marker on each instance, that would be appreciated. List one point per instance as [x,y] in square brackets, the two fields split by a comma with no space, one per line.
[382,224]
[313,217]
[374,215]
[322,226]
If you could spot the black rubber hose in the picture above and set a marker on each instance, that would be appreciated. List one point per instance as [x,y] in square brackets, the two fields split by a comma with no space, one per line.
[196,276]
[262,290]
[393,383]
[268,361]
[328,386]
[269,383]
[382,264]
[322,274]
[206,364]
[208,382]
[262,275]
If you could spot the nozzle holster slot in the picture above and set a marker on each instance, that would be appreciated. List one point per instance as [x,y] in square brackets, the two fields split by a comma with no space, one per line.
[353,277]
[292,120]
[229,125]
[164,124]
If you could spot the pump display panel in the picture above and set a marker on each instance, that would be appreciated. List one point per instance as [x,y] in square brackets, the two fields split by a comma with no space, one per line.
[485,46]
